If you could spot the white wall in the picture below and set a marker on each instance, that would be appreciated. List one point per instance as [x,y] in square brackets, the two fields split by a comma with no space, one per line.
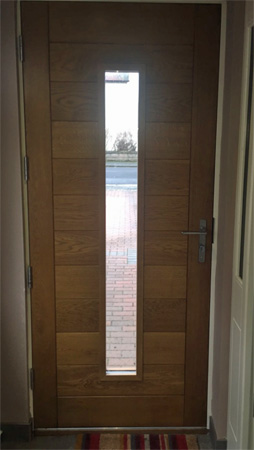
[14,373]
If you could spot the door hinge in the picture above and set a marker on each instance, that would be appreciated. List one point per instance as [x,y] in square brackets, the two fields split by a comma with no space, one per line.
[31,376]
[26,168]
[213,225]
[20,48]
[29,277]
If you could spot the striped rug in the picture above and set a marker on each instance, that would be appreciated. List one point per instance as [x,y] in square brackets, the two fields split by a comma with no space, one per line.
[136,442]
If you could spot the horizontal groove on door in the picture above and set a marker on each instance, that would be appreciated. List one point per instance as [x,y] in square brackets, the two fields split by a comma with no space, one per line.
[168,140]
[77,281]
[168,102]
[168,24]
[77,348]
[76,247]
[164,347]
[120,411]
[170,282]
[85,380]
[165,248]
[79,62]
[75,176]
[167,177]
[76,212]
[75,140]
[166,212]
[164,314]
[77,315]
[74,101]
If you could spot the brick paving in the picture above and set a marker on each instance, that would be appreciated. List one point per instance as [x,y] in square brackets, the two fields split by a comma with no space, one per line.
[121,226]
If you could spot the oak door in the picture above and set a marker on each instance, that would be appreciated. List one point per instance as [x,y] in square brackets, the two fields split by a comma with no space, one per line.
[176,50]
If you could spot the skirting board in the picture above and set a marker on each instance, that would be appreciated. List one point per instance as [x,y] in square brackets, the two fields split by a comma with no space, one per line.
[14,431]
[218,444]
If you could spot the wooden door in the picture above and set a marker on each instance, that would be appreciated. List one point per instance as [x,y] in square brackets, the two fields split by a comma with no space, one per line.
[65,46]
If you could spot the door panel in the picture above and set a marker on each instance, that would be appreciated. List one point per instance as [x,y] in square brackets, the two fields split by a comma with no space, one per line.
[75,381]
[167,177]
[76,212]
[166,213]
[205,85]
[177,47]
[74,101]
[75,140]
[111,25]
[116,411]
[77,281]
[168,102]
[38,142]
[77,315]
[168,141]
[78,62]
[77,348]
[75,176]
[164,248]
[173,312]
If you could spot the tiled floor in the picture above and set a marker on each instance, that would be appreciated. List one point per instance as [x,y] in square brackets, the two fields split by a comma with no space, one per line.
[121,255]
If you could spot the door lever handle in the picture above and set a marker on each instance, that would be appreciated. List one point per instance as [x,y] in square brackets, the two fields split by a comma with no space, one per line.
[202,239]
[194,232]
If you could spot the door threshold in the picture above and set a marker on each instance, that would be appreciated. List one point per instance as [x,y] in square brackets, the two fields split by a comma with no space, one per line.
[146,430]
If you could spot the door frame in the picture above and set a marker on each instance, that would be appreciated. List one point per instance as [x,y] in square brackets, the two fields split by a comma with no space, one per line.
[242,347]
[216,182]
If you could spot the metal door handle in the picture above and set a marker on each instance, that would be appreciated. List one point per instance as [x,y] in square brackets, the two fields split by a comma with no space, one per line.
[194,232]
[202,239]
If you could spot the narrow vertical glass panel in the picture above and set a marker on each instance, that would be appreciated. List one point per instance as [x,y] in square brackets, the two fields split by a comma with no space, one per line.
[121,147]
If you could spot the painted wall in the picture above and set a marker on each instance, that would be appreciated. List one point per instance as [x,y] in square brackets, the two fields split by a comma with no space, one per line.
[228,173]
[14,374]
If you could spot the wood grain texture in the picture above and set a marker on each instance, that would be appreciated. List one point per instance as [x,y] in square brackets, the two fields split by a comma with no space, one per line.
[75,176]
[165,282]
[85,381]
[76,212]
[167,177]
[41,248]
[77,315]
[77,348]
[111,24]
[79,62]
[77,281]
[75,140]
[74,101]
[76,247]
[164,314]
[120,411]
[84,35]
[165,248]
[168,141]
[206,63]
[168,102]
[163,348]
[166,213]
